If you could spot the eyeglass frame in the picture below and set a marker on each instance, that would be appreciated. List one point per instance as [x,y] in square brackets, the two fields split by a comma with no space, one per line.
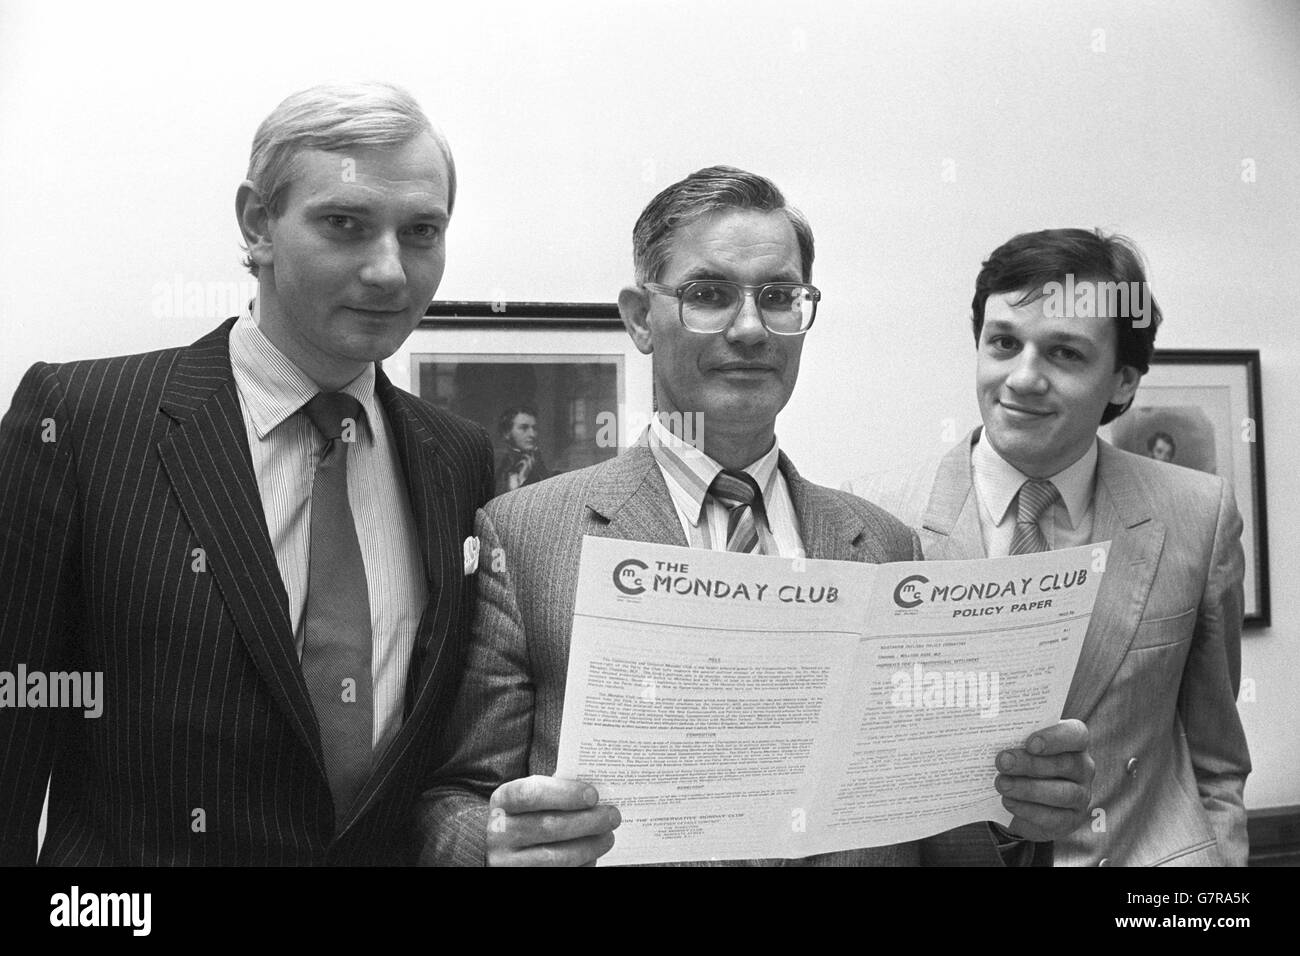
[747,291]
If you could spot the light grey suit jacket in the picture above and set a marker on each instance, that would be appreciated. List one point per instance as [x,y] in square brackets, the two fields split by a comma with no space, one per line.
[1158,672]
[506,722]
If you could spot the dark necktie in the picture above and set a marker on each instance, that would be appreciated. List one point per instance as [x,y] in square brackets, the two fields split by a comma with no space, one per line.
[1036,496]
[739,492]
[336,622]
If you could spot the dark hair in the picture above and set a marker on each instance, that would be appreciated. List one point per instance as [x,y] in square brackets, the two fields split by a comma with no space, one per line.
[703,192]
[1165,437]
[506,420]
[1032,262]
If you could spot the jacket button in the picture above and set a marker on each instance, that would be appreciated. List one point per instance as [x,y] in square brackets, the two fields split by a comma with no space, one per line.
[1132,766]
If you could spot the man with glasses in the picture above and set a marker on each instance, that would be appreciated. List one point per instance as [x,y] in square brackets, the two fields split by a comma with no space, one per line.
[721,303]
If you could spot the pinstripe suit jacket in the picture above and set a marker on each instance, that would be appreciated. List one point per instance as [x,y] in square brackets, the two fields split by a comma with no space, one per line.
[207,750]
[507,715]
[1158,673]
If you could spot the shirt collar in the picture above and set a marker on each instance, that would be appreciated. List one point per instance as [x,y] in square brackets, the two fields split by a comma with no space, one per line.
[273,387]
[688,472]
[998,481]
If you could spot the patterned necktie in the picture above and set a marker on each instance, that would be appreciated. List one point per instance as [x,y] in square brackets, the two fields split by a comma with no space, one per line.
[1036,496]
[336,622]
[739,492]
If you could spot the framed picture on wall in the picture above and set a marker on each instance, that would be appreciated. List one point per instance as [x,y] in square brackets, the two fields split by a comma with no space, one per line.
[558,386]
[1201,409]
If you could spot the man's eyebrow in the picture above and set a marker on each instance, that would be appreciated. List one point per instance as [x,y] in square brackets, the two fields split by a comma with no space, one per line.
[342,205]
[1003,327]
[352,208]
[702,272]
[1070,338]
[705,272]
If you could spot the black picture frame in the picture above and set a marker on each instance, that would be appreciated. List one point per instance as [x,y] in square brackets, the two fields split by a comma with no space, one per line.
[504,315]
[1205,407]
[566,372]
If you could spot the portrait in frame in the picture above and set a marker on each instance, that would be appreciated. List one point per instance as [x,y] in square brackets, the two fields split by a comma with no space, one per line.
[1201,409]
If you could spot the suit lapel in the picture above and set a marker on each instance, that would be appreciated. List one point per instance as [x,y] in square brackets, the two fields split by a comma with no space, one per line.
[950,526]
[427,475]
[207,461]
[1123,513]
[632,500]
[830,529]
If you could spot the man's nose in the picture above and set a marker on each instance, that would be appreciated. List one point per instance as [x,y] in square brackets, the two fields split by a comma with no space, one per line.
[1028,375]
[383,265]
[747,327]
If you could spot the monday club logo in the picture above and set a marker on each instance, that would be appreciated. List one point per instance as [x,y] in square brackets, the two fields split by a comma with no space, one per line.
[634,578]
[627,576]
[907,594]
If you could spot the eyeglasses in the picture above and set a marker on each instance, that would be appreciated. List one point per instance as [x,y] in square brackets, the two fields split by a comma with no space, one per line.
[711,305]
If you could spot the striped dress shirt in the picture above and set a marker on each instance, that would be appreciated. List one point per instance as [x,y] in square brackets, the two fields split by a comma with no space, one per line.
[688,472]
[286,448]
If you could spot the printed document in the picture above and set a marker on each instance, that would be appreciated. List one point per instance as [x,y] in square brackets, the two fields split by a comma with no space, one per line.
[738,706]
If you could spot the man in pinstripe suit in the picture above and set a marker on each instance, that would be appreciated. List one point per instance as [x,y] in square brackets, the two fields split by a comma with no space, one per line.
[156,525]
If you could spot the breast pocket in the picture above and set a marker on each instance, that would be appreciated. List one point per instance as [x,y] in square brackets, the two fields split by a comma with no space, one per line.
[1161,629]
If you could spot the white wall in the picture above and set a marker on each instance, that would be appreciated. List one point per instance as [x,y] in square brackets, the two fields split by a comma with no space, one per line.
[124,129]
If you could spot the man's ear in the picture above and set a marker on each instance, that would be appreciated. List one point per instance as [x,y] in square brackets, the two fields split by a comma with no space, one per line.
[634,308]
[1127,386]
[255,223]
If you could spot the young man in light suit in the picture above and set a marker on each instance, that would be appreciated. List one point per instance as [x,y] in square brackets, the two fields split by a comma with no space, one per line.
[1158,672]
[257,539]
[721,303]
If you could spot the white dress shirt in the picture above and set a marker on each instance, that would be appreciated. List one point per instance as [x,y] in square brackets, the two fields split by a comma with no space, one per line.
[1067,523]
[286,448]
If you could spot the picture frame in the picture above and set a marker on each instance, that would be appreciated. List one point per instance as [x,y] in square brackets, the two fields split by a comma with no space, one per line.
[558,386]
[1202,408]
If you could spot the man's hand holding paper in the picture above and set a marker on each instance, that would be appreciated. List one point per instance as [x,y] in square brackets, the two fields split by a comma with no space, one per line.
[1047,784]
[545,821]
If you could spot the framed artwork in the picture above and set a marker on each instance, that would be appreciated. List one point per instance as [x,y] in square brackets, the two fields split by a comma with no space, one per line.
[558,386]
[1201,409]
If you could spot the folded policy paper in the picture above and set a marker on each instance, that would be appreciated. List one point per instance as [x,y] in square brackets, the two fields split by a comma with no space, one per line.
[739,706]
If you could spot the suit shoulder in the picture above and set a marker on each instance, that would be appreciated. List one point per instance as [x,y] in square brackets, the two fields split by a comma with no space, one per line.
[553,493]
[431,414]
[547,519]
[902,491]
[450,428]
[79,369]
[1169,484]
[868,510]
[896,540]
[98,387]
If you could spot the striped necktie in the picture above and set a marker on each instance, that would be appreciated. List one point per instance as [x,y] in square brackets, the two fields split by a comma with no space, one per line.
[740,493]
[336,620]
[1035,497]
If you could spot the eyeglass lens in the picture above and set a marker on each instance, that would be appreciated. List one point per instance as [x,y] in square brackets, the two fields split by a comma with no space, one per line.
[710,305]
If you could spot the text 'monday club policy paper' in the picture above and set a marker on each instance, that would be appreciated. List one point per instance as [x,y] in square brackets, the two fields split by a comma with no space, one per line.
[737,706]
